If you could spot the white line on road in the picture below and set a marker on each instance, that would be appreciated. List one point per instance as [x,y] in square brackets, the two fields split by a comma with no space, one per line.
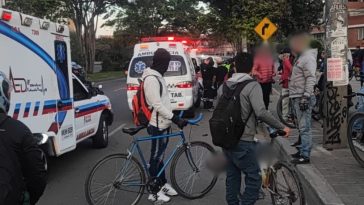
[119,89]
[276,91]
[117,130]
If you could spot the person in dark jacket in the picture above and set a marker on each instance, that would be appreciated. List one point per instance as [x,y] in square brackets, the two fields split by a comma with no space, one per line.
[208,76]
[221,73]
[22,165]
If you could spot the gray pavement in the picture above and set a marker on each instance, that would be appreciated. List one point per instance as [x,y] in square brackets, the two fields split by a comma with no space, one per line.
[67,173]
[338,167]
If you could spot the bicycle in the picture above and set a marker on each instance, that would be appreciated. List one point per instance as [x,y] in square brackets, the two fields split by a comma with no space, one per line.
[188,173]
[289,118]
[356,133]
[275,173]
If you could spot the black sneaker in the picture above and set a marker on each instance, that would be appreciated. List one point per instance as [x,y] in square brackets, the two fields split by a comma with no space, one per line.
[296,155]
[301,160]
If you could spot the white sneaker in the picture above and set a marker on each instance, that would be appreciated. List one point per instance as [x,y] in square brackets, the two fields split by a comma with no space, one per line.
[159,197]
[168,189]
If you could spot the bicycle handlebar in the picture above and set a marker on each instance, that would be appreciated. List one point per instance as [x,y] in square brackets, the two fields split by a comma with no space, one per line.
[196,120]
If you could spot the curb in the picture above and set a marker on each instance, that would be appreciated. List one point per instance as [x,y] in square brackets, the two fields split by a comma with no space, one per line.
[316,188]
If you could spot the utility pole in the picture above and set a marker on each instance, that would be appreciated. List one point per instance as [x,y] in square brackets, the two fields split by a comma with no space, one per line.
[335,105]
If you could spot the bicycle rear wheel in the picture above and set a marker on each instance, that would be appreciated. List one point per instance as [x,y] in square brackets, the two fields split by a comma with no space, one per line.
[287,118]
[115,179]
[285,186]
[356,137]
[189,174]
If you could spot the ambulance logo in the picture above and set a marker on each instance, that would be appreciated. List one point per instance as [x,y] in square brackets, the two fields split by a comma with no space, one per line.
[140,67]
[22,85]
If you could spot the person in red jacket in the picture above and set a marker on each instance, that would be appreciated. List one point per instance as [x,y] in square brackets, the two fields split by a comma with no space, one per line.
[263,71]
[287,61]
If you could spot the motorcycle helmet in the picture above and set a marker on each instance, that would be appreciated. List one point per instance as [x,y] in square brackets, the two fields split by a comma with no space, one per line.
[5,91]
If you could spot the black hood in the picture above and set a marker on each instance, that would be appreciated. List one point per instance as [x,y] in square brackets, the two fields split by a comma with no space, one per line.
[161,60]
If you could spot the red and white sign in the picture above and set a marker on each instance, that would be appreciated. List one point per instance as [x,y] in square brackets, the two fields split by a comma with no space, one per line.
[335,69]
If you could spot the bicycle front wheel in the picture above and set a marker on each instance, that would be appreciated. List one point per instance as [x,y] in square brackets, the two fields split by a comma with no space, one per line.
[356,137]
[115,179]
[285,112]
[285,187]
[189,174]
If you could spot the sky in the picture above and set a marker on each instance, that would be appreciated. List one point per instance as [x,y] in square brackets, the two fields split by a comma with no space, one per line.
[104,31]
[108,31]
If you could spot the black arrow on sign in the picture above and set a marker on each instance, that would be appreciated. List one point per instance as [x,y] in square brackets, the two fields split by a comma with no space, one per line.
[265,27]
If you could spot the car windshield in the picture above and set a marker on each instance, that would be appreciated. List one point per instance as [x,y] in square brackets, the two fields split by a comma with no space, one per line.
[177,66]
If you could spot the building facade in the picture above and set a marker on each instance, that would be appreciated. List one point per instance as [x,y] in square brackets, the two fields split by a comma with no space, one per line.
[355,28]
[2,3]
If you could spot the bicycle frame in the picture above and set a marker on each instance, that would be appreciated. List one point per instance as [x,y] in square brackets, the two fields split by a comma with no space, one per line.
[135,147]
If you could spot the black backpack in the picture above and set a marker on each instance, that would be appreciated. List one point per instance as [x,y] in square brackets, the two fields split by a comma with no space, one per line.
[226,124]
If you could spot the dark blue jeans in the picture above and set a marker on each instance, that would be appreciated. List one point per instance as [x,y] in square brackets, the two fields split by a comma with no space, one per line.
[157,151]
[243,159]
[304,119]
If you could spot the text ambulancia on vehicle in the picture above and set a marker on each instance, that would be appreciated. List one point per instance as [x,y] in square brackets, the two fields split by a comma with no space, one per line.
[180,77]
[47,97]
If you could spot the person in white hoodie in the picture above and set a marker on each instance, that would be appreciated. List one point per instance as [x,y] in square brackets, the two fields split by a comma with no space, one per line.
[157,97]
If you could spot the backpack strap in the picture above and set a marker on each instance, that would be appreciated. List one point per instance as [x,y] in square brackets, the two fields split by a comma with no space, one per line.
[239,88]
[160,93]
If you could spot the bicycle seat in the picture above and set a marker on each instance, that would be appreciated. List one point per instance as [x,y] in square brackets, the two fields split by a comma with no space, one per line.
[133,130]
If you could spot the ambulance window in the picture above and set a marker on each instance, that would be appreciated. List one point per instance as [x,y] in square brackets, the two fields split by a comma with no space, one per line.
[177,66]
[61,57]
[79,92]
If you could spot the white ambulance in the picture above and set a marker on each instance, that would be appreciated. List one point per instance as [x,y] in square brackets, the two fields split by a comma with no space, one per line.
[47,97]
[180,77]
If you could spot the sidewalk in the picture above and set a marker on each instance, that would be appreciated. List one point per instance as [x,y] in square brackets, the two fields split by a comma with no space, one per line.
[333,176]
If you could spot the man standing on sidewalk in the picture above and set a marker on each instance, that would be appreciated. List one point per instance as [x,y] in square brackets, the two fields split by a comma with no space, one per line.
[301,92]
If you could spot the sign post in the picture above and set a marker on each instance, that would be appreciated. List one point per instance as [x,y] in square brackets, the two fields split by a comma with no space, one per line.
[265,29]
[335,106]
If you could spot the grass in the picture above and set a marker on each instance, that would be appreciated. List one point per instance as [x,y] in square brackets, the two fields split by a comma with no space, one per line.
[103,76]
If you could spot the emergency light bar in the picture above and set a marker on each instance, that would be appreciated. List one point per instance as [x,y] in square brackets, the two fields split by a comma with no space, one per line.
[6,16]
[27,21]
[164,39]
[44,25]
[60,29]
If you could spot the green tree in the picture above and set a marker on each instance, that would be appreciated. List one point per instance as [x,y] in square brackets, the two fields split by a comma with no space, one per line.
[158,17]
[235,19]
[50,9]
[85,14]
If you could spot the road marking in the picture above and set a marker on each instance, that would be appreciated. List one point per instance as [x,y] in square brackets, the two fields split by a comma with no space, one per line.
[119,89]
[276,91]
[116,130]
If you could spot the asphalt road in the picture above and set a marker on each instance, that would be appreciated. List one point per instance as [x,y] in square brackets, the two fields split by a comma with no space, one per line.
[68,172]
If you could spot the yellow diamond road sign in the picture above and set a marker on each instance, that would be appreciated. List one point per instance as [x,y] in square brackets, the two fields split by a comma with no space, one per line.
[265,29]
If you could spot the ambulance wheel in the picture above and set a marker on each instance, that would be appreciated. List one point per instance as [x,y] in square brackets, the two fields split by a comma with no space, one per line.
[101,138]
